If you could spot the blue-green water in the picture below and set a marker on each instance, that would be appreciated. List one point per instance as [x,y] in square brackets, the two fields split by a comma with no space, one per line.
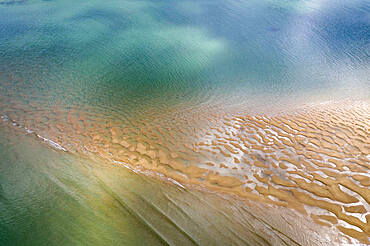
[161,71]
[128,55]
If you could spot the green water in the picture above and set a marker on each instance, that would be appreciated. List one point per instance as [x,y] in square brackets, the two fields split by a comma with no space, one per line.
[162,72]
[49,197]
[130,55]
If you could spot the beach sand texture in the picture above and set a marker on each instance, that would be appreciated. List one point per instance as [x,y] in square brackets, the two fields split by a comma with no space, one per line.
[314,159]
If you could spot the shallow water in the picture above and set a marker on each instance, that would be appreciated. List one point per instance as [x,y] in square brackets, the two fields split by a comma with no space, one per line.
[268,100]
[50,197]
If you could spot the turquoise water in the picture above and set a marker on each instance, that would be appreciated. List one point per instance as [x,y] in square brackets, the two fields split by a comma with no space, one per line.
[159,68]
[131,55]
[162,72]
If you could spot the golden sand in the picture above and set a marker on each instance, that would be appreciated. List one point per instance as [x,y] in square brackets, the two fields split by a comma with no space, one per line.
[315,159]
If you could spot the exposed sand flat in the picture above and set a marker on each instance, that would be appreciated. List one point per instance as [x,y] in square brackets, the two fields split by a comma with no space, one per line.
[315,159]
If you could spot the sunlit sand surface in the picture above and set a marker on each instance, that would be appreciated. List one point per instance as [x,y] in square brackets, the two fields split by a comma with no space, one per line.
[254,103]
[314,159]
[72,199]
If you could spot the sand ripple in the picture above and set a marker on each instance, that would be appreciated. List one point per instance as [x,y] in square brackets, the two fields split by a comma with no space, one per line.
[315,159]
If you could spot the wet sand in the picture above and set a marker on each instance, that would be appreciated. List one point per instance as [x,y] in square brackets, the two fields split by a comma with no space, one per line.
[314,159]
[73,199]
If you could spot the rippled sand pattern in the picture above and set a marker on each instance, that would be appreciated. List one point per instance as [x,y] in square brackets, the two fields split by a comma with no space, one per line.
[315,160]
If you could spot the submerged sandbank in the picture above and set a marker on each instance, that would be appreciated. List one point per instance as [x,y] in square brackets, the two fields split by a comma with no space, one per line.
[48,196]
[314,159]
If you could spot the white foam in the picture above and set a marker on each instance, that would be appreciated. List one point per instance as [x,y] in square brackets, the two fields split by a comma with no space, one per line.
[52,143]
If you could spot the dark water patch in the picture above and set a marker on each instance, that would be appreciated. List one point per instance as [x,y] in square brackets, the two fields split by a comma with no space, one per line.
[12,2]
[346,29]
